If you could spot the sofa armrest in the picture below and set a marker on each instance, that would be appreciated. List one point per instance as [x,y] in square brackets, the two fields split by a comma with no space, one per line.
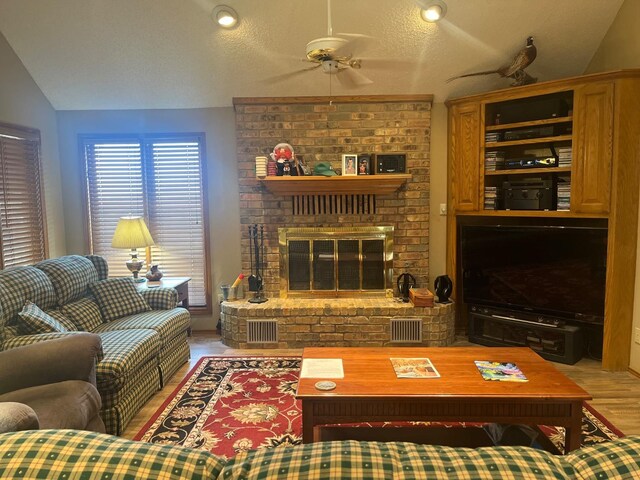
[68,358]
[24,340]
[15,417]
[161,298]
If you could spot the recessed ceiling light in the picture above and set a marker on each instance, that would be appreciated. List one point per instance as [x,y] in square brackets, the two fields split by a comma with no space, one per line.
[432,11]
[225,16]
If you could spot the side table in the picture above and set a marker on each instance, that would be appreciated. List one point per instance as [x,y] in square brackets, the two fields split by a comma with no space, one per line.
[180,284]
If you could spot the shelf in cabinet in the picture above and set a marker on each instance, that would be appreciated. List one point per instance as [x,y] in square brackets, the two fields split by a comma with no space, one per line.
[531,213]
[529,141]
[532,123]
[361,184]
[525,171]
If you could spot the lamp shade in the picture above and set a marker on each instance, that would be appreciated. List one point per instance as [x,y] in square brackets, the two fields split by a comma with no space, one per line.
[131,232]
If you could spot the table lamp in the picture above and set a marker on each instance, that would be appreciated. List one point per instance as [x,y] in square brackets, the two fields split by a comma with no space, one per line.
[132,232]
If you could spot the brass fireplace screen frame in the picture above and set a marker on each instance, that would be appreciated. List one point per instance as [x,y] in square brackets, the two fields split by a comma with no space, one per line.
[335,233]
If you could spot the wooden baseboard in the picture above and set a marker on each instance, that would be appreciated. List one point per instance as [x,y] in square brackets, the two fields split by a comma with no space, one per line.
[633,372]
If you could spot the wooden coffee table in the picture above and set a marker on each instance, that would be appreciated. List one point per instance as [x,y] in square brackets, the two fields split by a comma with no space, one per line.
[371,392]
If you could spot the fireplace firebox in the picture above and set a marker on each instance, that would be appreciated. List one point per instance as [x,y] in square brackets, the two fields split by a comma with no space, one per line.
[335,262]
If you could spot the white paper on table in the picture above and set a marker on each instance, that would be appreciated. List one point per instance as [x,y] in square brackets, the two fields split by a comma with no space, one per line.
[322,368]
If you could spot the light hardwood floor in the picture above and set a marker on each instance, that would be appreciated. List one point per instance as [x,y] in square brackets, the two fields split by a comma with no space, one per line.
[615,395]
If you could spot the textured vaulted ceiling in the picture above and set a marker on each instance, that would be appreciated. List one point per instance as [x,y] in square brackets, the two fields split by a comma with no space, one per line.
[126,54]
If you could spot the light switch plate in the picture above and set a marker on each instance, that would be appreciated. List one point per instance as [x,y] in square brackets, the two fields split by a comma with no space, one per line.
[443,209]
[636,337]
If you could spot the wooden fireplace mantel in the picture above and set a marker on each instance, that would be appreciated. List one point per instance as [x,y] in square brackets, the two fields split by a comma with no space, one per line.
[316,185]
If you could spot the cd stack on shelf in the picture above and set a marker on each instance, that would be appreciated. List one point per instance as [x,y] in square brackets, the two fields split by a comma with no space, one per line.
[493,161]
[564,194]
[564,156]
[492,137]
[491,198]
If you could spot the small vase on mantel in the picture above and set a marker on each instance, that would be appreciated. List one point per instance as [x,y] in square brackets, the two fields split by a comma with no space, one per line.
[154,274]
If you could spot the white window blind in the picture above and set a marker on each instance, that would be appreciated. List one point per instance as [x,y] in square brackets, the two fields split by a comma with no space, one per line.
[114,178]
[22,229]
[176,213]
[159,178]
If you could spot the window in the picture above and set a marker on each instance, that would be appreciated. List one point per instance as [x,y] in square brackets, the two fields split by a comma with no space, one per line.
[22,226]
[161,179]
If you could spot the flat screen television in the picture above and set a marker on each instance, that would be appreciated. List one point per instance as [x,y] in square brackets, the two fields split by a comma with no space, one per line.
[558,271]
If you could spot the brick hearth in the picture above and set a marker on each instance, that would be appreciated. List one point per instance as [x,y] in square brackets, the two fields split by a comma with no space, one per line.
[339,322]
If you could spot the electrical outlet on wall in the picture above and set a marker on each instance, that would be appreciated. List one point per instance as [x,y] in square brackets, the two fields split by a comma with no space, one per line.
[636,337]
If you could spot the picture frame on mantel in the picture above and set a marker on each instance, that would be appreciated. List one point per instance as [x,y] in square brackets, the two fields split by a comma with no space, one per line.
[349,164]
[364,165]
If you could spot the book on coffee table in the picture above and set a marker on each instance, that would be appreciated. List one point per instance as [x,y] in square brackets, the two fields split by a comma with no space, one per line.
[500,371]
[414,368]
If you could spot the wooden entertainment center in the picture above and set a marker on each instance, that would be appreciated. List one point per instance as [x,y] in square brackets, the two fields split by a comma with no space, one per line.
[596,119]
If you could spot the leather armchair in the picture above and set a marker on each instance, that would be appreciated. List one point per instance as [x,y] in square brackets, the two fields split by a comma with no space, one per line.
[51,384]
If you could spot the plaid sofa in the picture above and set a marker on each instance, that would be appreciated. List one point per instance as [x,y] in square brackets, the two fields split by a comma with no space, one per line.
[140,352]
[70,454]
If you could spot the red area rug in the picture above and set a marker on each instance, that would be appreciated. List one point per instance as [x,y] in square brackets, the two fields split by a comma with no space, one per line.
[231,404]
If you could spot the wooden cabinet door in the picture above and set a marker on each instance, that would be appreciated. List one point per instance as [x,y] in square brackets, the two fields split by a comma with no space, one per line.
[592,147]
[464,157]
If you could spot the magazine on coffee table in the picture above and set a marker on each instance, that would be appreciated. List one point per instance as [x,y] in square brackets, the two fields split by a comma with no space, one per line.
[502,372]
[414,368]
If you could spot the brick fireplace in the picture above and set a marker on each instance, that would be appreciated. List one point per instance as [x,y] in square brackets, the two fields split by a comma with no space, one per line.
[321,131]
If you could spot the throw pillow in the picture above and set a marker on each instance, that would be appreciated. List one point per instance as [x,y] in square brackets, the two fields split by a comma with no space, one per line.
[118,297]
[35,320]
[84,313]
[57,314]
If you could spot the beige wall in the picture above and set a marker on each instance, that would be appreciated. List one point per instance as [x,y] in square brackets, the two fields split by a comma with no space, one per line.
[438,166]
[222,177]
[23,103]
[619,49]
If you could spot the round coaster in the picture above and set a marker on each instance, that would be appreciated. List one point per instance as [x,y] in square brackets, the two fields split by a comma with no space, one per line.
[325,385]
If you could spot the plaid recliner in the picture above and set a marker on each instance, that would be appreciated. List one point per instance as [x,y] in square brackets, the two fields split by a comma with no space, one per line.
[140,352]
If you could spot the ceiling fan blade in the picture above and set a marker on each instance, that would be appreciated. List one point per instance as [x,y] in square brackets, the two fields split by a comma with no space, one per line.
[356,42]
[285,76]
[387,63]
[356,36]
[351,78]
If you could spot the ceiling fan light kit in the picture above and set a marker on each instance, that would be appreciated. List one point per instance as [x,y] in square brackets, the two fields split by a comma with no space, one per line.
[225,16]
[432,10]
[330,66]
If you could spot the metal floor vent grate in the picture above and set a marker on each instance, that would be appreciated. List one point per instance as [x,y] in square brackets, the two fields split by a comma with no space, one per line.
[262,331]
[406,330]
[333,204]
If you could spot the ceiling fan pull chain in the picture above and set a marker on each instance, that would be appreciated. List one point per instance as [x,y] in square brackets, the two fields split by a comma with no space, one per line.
[330,95]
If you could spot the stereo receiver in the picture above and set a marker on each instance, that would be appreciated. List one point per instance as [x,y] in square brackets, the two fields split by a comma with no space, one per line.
[530,194]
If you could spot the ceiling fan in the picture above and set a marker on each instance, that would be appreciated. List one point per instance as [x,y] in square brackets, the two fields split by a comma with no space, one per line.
[334,54]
